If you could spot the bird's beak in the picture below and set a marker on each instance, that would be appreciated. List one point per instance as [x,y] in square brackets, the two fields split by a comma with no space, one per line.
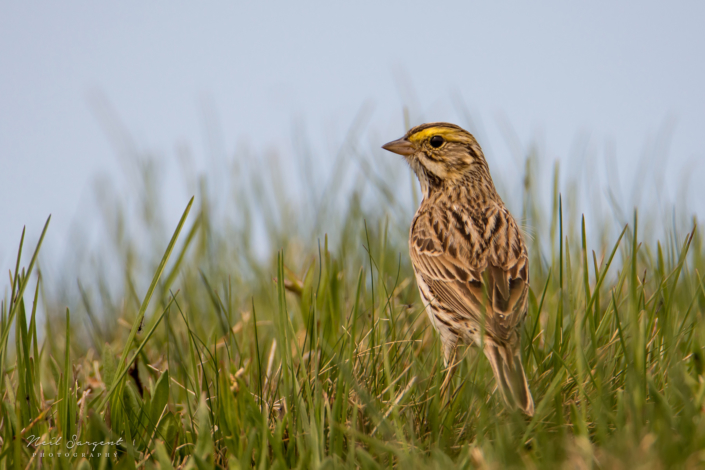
[400,146]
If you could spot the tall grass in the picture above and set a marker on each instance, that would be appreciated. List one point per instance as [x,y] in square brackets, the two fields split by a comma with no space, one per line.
[318,354]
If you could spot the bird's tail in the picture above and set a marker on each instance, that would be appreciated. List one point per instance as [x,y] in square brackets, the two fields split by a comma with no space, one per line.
[509,372]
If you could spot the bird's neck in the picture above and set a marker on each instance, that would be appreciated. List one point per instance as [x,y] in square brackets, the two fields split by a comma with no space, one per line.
[475,185]
[429,182]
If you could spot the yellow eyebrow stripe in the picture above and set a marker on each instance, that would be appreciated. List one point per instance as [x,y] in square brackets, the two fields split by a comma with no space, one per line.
[454,135]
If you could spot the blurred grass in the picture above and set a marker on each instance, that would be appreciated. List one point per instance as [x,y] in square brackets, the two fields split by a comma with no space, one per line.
[316,353]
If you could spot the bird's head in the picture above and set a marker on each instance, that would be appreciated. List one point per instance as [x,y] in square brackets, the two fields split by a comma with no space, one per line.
[441,153]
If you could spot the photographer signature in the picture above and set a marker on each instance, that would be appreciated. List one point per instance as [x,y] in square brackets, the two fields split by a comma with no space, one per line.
[36,442]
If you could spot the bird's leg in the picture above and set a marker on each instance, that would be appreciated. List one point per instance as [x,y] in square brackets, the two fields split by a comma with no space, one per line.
[449,360]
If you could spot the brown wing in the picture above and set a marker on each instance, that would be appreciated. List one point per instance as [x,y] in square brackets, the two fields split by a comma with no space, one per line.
[475,268]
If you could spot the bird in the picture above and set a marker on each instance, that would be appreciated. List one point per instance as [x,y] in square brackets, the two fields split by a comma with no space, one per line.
[468,254]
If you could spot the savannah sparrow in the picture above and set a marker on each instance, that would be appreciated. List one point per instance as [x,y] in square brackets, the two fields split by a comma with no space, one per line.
[470,261]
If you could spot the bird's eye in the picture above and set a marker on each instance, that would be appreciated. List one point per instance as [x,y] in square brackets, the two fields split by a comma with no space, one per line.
[436,141]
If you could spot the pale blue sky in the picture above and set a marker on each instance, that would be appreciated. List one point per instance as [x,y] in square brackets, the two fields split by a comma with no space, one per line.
[619,71]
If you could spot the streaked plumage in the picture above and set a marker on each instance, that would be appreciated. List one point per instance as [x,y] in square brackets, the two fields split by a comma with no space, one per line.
[470,261]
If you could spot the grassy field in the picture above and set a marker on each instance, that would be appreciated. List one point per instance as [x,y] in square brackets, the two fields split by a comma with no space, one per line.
[318,354]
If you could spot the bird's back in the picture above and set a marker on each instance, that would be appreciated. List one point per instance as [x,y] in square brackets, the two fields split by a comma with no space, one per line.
[472,261]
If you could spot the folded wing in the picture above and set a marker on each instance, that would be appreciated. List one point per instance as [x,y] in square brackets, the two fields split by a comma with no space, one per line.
[477,274]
